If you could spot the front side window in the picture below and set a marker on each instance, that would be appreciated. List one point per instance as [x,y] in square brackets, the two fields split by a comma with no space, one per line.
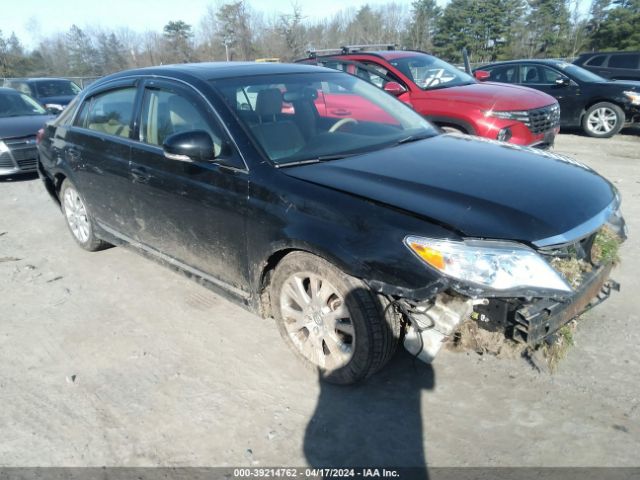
[596,61]
[109,112]
[549,75]
[430,72]
[319,116]
[18,104]
[165,112]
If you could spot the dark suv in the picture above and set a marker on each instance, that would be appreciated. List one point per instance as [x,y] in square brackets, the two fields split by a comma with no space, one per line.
[599,106]
[351,233]
[612,65]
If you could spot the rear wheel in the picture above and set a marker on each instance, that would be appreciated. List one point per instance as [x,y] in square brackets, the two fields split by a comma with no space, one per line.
[603,120]
[78,219]
[332,321]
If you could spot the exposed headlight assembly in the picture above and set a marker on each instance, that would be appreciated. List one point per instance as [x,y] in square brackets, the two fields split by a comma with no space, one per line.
[494,267]
[54,106]
[634,97]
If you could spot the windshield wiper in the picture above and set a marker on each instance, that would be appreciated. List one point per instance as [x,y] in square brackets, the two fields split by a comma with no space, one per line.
[318,159]
[412,138]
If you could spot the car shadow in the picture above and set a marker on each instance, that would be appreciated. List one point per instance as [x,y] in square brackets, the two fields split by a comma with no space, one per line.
[375,423]
[19,177]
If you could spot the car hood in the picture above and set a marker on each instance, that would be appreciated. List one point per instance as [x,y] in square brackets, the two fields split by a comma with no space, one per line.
[59,99]
[14,127]
[475,187]
[494,96]
[626,84]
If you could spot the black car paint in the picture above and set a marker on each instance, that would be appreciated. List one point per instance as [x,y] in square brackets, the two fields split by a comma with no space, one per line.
[22,126]
[577,96]
[226,222]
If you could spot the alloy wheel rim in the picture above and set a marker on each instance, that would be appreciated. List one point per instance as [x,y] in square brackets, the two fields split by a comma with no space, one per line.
[602,120]
[76,214]
[317,320]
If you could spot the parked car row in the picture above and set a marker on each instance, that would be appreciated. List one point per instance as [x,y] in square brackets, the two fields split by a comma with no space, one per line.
[25,105]
[312,196]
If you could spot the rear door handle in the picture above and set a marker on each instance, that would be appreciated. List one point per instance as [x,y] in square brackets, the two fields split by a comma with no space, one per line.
[140,175]
[341,112]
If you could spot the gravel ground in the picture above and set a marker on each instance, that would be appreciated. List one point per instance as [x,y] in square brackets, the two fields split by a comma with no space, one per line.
[110,359]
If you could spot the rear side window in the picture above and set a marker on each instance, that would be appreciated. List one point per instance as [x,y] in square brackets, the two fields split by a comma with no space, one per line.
[506,74]
[596,61]
[22,87]
[109,112]
[624,61]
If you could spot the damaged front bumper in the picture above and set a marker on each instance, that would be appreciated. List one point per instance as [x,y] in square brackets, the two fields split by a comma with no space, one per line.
[528,321]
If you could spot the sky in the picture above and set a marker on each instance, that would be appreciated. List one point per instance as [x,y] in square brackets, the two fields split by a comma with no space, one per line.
[33,19]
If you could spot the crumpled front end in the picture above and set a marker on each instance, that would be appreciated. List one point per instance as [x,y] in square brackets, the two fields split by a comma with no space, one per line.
[523,315]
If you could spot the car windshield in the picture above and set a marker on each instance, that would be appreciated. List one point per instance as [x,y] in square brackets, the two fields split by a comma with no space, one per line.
[18,104]
[56,88]
[580,73]
[319,116]
[430,72]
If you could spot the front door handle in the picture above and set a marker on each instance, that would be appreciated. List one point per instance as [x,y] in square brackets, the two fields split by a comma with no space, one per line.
[341,112]
[140,175]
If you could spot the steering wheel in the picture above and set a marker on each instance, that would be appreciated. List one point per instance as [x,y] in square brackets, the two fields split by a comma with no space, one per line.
[341,122]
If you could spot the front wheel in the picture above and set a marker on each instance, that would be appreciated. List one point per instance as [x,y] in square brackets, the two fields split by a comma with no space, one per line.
[603,120]
[78,219]
[331,320]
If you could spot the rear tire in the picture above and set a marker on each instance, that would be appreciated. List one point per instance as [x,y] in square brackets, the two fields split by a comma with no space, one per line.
[603,120]
[331,320]
[79,221]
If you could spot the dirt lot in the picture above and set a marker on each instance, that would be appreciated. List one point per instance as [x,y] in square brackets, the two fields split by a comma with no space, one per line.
[110,359]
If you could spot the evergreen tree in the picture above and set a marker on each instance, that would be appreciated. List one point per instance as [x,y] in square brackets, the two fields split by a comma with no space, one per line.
[548,25]
[424,17]
[620,30]
[178,35]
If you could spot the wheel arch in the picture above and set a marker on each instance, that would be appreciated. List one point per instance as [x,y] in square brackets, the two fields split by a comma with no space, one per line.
[268,265]
[596,100]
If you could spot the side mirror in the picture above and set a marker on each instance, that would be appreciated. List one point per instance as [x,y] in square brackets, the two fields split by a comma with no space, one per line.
[191,146]
[562,82]
[394,88]
[481,75]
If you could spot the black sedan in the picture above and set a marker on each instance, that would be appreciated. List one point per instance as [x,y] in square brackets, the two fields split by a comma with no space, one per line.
[351,233]
[20,119]
[599,106]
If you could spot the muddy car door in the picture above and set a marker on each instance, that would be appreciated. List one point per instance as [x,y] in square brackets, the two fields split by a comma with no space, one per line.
[97,148]
[190,213]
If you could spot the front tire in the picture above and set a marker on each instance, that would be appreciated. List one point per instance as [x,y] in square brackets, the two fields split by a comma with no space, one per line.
[78,218]
[332,321]
[603,120]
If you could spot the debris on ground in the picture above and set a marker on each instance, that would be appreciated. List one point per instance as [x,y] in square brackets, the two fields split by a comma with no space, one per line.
[470,337]
[572,269]
[55,279]
[605,247]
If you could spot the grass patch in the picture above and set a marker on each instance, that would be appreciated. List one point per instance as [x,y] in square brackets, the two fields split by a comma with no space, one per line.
[571,269]
[605,247]
[557,350]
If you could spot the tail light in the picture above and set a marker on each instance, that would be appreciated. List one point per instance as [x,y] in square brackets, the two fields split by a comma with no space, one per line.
[39,136]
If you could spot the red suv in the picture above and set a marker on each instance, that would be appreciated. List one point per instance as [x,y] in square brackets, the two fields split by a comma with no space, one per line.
[452,99]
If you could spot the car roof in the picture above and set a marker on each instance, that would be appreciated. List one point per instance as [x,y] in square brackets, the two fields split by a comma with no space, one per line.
[539,61]
[631,52]
[218,70]
[39,79]
[9,91]
[385,54]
